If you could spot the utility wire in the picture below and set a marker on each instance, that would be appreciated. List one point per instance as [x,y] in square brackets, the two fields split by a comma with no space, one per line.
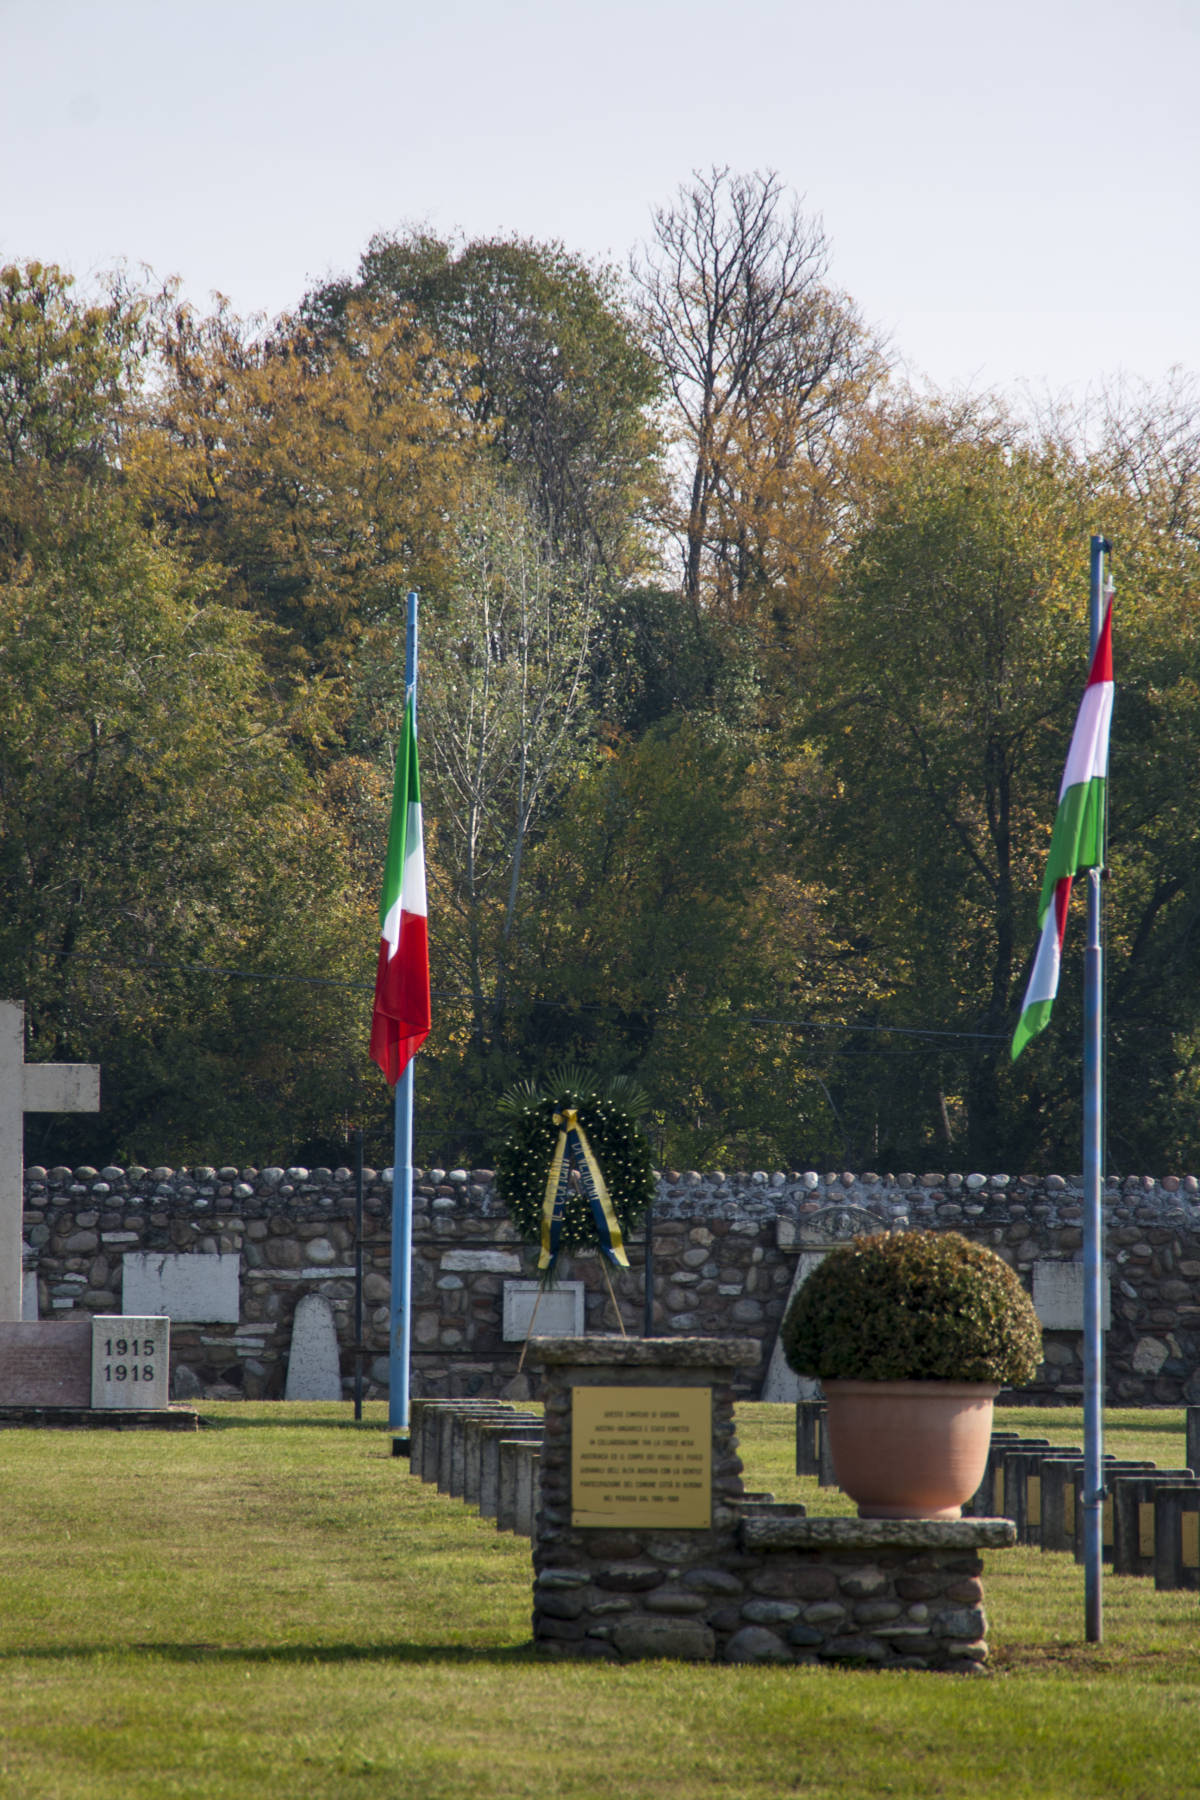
[749,1017]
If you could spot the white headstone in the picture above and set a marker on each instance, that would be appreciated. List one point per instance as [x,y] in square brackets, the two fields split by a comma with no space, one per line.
[314,1368]
[191,1289]
[782,1381]
[814,1235]
[28,1087]
[131,1361]
[1058,1296]
[560,1310]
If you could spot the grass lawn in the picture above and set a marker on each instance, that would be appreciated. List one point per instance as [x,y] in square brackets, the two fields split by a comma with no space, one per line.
[276,1607]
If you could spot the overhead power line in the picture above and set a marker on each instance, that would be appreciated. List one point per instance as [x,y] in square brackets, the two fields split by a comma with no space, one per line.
[747,1016]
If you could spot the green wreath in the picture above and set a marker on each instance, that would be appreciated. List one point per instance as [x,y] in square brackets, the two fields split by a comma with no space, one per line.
[574,1168]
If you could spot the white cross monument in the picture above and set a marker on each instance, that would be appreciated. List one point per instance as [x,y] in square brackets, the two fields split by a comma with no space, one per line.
[28,1087]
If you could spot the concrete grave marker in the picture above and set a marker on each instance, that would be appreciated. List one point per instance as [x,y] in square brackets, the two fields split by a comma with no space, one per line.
[28,1087]
[131,1361]
[814,1236]
[314,1368]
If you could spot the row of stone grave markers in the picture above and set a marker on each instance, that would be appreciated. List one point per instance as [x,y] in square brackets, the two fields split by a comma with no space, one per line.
[629,1562]
[1151,1523]
[483,1452]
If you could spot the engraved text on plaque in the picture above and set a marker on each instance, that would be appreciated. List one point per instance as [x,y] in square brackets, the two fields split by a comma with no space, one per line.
[641,1456]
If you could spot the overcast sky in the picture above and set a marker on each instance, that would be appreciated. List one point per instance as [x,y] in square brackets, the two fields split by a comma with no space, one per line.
[1009,191]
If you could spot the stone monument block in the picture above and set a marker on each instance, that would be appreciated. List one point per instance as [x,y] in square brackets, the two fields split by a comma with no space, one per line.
[28,1087]
[46,1362]
[481,1262]
[314,1367]
[560,1311]
[1058,1296]
[131,1361]
[197,1290]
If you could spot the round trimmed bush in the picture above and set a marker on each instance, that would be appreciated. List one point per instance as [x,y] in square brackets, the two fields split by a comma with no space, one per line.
[913,1306]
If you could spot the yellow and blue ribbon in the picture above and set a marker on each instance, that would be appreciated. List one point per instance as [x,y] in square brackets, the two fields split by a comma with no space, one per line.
[572,1151]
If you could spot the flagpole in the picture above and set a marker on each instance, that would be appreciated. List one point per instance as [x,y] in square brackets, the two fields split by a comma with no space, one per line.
[400,1326]
[1093,1216]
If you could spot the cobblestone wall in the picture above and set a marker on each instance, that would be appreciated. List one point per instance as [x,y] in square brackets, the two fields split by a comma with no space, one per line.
[724,1257]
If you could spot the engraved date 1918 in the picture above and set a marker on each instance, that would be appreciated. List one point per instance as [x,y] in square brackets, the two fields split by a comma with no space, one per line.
[129,1359]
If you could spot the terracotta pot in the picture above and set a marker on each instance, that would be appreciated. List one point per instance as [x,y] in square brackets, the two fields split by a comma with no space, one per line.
[909,1449]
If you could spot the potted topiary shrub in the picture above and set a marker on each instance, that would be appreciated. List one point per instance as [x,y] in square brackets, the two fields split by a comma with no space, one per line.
[912,1336]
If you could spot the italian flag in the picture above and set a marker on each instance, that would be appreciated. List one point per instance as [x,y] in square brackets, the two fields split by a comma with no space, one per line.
[1077,841]
[400,1023]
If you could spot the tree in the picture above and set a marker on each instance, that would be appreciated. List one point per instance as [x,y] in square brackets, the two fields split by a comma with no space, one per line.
[157,837]
[1146,441]
[319,475]
[543,361]
[763,364]
[505,714]
[951,661]
[670,943]
[69,367]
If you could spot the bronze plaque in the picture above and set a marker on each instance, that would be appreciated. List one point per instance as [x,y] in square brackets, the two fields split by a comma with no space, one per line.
[1189,1531]
[641,1456]
[1145,1528]
[1033,1500]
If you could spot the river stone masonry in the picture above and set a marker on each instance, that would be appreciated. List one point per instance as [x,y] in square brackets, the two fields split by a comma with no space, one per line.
[764,1583]
[725,1252]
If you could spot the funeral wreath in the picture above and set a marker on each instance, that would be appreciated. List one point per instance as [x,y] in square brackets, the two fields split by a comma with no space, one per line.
[574,1166]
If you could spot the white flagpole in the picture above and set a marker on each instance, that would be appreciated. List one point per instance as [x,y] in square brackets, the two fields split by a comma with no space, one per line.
[400,1329]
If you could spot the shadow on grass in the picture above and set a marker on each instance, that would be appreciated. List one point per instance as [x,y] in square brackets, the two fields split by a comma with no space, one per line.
[229,1421]
[498,1656]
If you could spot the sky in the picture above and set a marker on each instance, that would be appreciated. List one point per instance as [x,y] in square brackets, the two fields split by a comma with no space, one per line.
[1009,192]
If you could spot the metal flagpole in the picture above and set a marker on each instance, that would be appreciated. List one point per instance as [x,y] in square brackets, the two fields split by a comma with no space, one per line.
[400,1331]
[1093,1217]
[358,1274]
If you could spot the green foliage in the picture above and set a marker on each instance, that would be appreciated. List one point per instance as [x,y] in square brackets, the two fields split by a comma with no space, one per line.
[607,1113]
[545,362]
[736,837]
[157,832]
[317,477]
[951,660]
[67,366]
[655,656]
[669,943]
[913,1306]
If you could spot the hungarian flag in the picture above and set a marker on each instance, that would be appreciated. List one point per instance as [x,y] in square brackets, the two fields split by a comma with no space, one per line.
[400,1023]
[1077,841]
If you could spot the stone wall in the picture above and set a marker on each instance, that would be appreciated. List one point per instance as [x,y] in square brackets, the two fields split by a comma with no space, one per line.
[725,1249]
